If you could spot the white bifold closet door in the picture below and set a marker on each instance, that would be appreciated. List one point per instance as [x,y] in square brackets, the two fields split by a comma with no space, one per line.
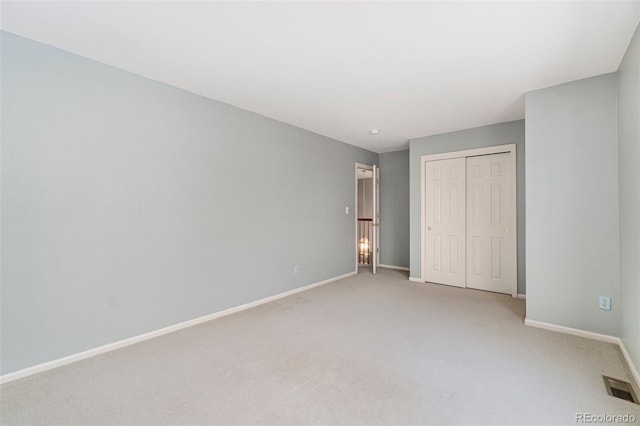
[469,219]
[445,220]
[490,249]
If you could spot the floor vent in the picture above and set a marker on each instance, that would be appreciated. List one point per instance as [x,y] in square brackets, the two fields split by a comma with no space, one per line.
[620,389]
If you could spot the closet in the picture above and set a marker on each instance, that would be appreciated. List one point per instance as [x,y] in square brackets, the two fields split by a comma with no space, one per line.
[469,219]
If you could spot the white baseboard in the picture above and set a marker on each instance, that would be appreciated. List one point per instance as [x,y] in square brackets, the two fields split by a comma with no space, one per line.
[573,331]
[416,280]
[630,363]
[589,335]
[29,371]
[399,268]
[522,296]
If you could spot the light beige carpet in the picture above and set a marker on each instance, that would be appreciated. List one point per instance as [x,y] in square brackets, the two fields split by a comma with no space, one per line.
[363,350]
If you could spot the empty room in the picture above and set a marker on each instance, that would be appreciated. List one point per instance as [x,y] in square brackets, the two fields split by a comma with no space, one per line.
[286,213]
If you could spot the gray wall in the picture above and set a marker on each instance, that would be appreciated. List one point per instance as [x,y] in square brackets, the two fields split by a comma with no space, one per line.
[394,208]
[496,134]
[629,186]
[129,205]
[572,204]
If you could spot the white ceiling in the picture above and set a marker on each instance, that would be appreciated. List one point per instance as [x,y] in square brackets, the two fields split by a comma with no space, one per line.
[339,69]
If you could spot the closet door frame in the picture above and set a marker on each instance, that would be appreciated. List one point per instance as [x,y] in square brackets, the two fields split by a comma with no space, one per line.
[498,149]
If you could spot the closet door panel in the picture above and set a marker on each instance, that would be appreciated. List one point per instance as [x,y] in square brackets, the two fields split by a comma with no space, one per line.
[445,222]
[490,223]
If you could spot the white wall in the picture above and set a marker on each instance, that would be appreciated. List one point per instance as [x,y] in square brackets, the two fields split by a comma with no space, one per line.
[572,204]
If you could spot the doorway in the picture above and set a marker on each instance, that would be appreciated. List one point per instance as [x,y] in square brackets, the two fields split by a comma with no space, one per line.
[468,217]
[367,217]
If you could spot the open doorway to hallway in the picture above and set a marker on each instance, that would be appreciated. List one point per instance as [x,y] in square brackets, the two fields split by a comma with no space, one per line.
[366,217]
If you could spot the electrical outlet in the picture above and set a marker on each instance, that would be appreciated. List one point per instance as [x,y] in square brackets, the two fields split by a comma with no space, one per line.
[296,269]
[605,303]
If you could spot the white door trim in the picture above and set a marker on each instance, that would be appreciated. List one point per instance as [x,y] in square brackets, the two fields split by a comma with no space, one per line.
[355,207]
[510,148]
[375,210]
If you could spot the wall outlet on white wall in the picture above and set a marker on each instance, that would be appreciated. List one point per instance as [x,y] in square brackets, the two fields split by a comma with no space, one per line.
[605,303]
[296,269]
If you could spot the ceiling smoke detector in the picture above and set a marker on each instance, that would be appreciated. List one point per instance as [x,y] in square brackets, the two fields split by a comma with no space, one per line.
[374,131]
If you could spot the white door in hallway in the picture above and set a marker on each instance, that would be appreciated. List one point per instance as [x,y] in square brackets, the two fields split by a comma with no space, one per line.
[445,222]
[375,249]
[491,253]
